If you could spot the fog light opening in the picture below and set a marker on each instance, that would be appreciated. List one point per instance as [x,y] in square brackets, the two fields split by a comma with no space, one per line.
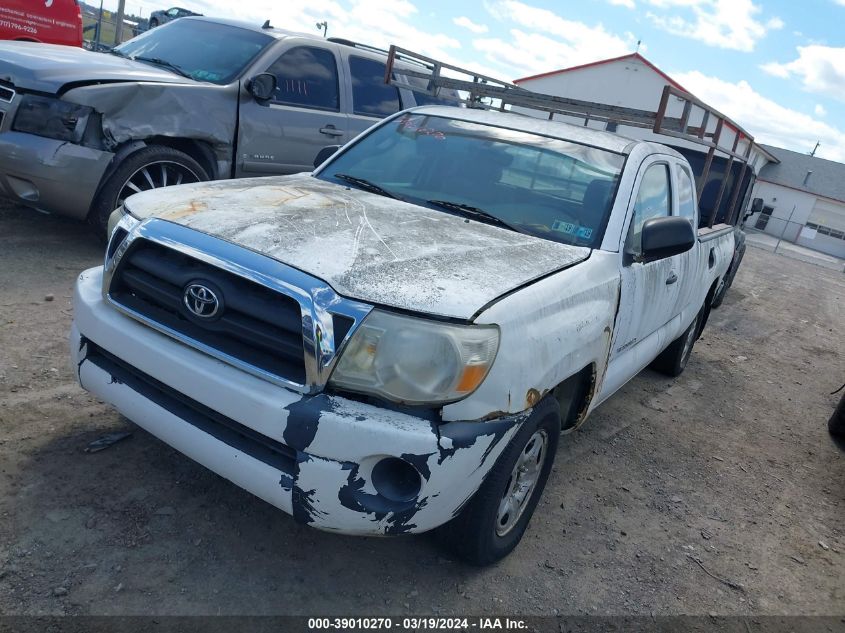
[396,480]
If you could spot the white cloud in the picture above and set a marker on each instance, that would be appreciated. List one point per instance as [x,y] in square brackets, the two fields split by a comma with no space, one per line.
[768,121]
[629,4]
[730,24]
[821,69]
[468,24]
[819,110]
[541,40]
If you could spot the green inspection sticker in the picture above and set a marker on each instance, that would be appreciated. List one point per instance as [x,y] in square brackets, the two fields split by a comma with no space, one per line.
[582,232]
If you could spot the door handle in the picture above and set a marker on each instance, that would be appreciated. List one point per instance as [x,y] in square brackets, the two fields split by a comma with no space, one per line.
[672,278]
[331,130]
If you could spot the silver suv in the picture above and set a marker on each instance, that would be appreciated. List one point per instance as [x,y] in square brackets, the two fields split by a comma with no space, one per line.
[196,99]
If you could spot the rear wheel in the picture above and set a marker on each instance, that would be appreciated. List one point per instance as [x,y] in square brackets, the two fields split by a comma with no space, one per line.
[836,424]
[492,523]
[673,360]
[153,167]
[153,23]
[729,279]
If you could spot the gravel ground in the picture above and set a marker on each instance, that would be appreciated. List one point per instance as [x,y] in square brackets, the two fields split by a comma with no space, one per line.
[719,492]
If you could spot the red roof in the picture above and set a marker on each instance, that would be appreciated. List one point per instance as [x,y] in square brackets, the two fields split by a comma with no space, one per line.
[636,56]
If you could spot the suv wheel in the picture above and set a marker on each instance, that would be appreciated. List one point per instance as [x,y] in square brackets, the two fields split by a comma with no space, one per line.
[153,167]
[492,523]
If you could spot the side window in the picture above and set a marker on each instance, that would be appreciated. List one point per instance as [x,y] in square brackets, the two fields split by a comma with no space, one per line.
[306,77]
[370,95]
[686,196]
[653,201]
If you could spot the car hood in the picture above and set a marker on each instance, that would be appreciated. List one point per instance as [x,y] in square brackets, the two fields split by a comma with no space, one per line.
[367,247]
[48,67]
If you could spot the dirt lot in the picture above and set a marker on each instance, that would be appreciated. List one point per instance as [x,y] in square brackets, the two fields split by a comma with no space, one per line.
[730,465]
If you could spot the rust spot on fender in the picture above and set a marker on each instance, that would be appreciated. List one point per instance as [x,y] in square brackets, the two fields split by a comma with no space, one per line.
[532,397]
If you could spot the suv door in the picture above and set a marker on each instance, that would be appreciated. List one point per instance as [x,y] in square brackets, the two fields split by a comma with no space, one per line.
[284,135]
[649,293]
[372,99]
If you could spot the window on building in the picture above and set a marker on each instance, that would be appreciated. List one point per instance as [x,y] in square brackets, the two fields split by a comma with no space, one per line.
[307,77]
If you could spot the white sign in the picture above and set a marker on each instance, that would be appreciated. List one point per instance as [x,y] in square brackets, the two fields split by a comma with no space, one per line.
[808,233]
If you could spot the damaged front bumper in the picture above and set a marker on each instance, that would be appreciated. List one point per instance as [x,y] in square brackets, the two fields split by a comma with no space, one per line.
[54,176]
[331,462]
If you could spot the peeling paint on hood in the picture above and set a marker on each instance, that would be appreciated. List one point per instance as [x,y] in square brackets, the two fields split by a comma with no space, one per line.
[368,247]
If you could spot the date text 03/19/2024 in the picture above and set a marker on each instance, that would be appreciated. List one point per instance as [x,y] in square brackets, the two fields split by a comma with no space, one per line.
[417,624]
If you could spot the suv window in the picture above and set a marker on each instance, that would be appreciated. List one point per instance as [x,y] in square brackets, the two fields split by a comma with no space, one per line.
[307,77]
[653,201]
[686,196]
[370,95]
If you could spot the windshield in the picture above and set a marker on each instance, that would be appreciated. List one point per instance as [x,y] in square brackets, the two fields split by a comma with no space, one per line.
[202,50]
[546,187]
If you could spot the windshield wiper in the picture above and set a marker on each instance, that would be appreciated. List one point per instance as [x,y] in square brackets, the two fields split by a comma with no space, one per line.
[367,185]
[473,212]
[158,61]
[114,51]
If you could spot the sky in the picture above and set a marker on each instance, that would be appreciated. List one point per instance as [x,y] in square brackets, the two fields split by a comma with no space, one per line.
[775,66]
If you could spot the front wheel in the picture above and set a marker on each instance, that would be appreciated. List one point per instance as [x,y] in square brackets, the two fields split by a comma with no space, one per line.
[153,167]
[492,523]
[153,23]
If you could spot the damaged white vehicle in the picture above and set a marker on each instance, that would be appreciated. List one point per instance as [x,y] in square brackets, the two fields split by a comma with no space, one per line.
[395,342]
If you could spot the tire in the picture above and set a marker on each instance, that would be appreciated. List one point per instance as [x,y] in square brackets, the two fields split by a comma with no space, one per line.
[836,424]
[164,166]
[481,534]
[673,360]
[726,285]
[153,23]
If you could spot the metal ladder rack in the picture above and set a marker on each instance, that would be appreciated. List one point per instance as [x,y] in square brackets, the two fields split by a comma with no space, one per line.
[477,87]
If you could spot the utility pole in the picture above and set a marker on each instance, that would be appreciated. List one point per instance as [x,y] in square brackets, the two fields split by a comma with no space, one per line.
[99,28]
[118,25]
[813,153]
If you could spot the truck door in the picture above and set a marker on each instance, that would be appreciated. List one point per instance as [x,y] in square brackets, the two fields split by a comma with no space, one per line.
[284,135]
[649,291]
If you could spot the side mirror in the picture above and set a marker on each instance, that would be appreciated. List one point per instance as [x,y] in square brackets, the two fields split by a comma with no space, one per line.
[324,154]
[262,86]
[665,237]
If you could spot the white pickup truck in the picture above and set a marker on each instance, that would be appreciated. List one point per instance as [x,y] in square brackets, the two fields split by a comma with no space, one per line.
[395,342]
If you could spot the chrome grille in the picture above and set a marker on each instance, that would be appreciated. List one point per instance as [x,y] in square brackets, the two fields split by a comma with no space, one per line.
[276,321]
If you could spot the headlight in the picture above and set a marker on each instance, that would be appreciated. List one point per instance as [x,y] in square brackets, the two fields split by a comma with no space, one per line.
[53,118]
[416,361]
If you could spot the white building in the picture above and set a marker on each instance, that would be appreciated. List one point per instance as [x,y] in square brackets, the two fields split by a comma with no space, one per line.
[803,200]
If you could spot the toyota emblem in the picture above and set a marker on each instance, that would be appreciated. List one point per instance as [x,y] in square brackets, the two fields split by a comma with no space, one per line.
[201,301]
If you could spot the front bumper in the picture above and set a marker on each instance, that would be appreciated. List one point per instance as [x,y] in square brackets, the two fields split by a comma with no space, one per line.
[50,175]
[311,456]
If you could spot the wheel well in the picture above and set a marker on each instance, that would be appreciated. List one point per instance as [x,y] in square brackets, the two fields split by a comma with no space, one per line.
[198,150]
[574,395]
